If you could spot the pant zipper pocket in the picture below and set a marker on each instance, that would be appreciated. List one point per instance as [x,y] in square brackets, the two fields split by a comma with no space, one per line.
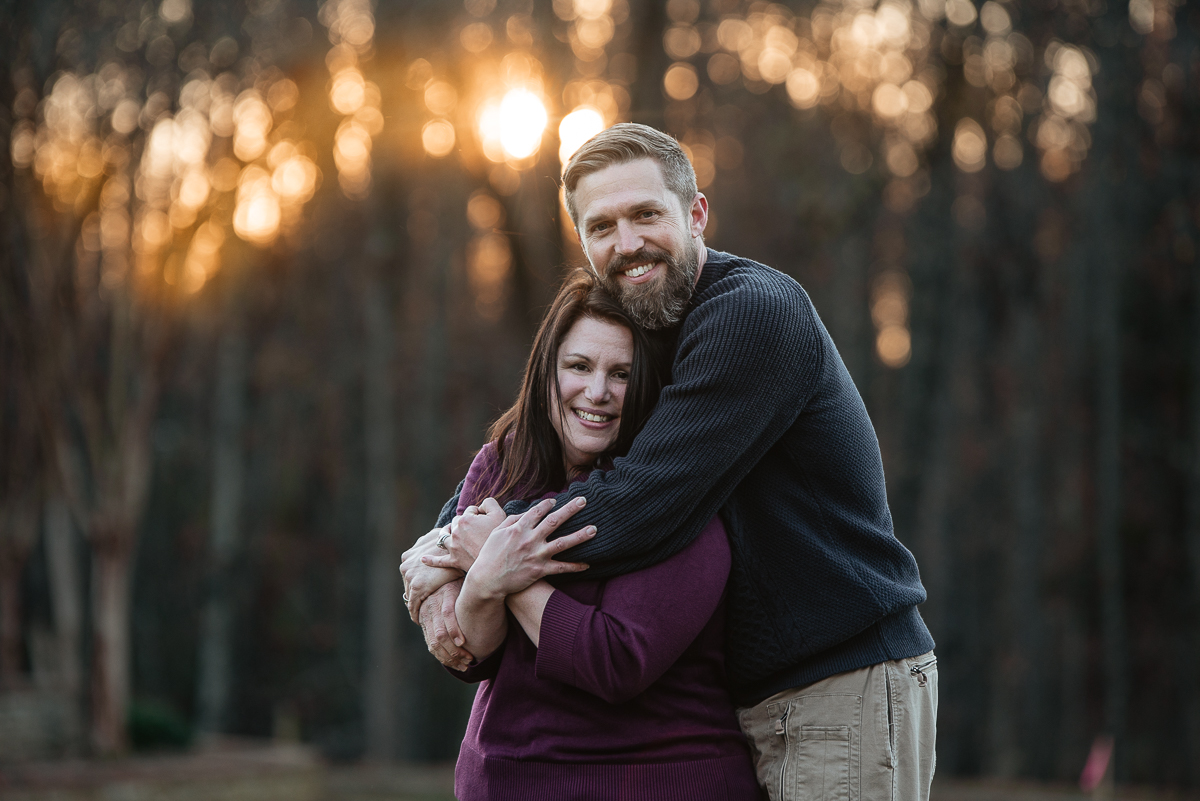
[781,729]
[918,671]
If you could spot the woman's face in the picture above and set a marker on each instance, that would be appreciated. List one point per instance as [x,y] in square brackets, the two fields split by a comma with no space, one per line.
[593,365]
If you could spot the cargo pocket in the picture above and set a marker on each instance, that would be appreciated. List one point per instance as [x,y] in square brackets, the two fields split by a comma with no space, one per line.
[824,742]
[823,763]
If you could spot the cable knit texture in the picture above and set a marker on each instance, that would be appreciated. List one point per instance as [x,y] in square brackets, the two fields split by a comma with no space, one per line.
[762,422]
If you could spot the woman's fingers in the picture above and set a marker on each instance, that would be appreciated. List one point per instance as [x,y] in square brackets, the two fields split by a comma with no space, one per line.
[560,516]
[568,541]
[491,506]
[553,568]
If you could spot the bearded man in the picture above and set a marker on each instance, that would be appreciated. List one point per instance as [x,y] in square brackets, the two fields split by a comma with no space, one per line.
[828,657]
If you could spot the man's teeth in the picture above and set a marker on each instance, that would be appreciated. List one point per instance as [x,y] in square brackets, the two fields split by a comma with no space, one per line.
[640,270]
[592,418]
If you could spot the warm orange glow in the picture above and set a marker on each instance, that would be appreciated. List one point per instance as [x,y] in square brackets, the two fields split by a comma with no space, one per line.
[347,91]
[253,121]
[680,81]
[257,215]
[484,212]
[803,88]
[970,146]
[576,128]
[476,37]
[1008,153]
[193,189]
[441,98]
[437,137]
[295,180]
[489,260]
[514,127]
[894,346]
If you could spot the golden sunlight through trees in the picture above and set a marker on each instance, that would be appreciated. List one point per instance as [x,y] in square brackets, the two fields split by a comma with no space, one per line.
[522,119]
[351,25]
[576,128]
[889,312]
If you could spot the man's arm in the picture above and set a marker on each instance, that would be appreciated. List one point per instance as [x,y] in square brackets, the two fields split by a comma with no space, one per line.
[747,363]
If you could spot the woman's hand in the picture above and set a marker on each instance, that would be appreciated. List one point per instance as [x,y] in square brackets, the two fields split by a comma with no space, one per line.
[518,553]
[469,531]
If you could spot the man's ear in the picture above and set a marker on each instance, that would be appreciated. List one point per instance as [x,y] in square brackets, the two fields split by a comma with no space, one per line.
[698,215]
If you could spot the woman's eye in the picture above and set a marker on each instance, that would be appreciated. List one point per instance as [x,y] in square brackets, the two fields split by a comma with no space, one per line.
[621,375]
[579,368]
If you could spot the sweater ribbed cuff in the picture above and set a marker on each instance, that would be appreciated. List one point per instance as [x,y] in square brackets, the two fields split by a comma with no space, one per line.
[556,638]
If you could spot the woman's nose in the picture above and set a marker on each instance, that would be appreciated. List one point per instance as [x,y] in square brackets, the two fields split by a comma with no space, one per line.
[597,389]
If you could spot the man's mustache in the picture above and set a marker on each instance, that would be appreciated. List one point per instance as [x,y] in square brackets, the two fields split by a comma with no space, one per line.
[620,264]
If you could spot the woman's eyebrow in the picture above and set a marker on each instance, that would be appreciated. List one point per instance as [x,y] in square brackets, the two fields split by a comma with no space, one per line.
[565,356]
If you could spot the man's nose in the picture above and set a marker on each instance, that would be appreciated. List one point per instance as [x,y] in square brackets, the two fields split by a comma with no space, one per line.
[628,238]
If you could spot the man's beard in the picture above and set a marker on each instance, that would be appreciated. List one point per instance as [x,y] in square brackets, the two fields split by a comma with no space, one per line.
[659,303]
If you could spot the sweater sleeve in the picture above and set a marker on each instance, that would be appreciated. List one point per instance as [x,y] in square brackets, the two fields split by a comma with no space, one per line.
[643,623]
[482,468]
[748,360]
[479,671]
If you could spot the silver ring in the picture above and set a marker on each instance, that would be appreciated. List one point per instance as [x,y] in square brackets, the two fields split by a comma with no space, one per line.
[405,597]
[441,543]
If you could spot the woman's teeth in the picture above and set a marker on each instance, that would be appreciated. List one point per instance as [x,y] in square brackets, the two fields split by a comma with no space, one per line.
[592,418]
[640,270]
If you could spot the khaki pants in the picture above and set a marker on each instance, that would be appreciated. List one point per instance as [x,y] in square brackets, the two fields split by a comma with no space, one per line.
[867,734]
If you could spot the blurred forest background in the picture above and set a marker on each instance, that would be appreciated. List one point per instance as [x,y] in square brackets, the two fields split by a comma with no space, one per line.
[268,268]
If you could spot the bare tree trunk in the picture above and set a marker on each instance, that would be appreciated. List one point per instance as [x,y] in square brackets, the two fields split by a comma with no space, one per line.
[15,544]
[1108,494]
[379,701]
[1192,540]
[849,307]
[111,562]
[66,580]
[1017,685]
[216,632]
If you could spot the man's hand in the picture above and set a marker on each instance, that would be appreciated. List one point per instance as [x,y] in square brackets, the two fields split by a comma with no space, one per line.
[469,531]
[421,580]
[440,626]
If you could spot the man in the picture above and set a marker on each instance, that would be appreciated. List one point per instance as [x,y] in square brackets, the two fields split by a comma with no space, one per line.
[827,654]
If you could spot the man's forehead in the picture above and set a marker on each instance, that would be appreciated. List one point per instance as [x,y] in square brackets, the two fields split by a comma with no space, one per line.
[621,186]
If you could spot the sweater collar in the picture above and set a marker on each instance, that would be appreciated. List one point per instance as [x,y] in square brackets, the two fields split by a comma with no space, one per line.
[715,267]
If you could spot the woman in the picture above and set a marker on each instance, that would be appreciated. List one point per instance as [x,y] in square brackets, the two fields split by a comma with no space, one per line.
[596,689]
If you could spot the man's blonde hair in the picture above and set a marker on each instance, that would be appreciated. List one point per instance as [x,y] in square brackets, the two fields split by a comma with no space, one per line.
[621,144]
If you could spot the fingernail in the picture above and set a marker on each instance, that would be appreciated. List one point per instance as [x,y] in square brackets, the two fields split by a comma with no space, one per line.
[591,530]
[580,501]
[458,641]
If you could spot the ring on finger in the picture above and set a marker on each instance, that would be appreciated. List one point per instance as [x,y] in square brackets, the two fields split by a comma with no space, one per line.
[441,543]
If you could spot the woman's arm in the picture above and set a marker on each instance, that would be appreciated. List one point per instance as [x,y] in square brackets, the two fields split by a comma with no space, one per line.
[642,625]
[514,556]
[527,607]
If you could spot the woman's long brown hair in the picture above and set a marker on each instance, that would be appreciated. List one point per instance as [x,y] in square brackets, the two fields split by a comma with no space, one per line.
[530,456]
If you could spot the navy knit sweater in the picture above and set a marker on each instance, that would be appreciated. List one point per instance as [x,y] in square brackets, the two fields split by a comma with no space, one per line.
[763,423]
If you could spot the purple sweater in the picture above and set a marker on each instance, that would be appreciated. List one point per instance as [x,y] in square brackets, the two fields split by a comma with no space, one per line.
[625,699]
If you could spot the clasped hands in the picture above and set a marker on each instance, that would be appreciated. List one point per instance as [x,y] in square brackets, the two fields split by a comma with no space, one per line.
[505,554]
